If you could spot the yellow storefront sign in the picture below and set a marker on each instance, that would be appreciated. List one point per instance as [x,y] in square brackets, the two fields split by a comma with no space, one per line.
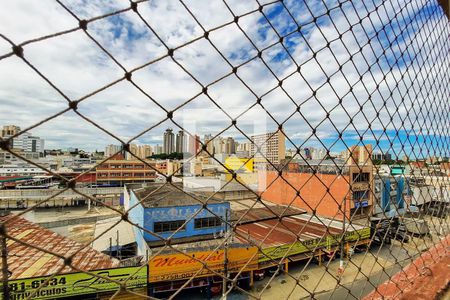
[183,266]
[310,245]
[239,164]
[76,284]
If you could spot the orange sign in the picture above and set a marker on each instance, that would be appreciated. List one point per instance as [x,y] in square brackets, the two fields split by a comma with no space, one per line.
[183,266]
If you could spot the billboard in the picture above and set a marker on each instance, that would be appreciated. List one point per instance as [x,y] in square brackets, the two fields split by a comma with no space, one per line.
[75,284]
[239,164]
[183,266]
[312,244]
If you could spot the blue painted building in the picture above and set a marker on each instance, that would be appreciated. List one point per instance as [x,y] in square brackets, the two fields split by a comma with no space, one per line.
[390,192]
[164,209]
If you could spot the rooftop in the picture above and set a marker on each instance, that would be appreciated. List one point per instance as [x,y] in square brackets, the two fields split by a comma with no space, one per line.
[25,261]
[170,194]
[306,226]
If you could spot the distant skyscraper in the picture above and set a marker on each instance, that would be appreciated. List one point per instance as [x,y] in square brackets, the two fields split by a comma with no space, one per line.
[208,140]
[219,147]
[158,149]
[169,141]
[230,146]
[111,150]
[359,155]
[134,149]
[272,146]
[194,144]
[181,142]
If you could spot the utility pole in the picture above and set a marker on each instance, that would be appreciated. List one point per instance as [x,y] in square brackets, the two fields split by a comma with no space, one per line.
[341,259]
[225,259]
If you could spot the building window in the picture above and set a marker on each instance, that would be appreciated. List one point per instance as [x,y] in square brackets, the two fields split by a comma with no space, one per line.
[168,226]
[207,222]
[360,177]
[361,196]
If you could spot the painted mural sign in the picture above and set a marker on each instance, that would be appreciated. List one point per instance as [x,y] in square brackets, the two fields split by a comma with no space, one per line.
[183,266]
[310,245]
[76,284]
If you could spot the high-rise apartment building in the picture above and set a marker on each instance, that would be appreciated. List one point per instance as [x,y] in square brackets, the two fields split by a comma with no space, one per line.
[359,155]
[271,147]
[169,141]
[181,142]
[218,144]
[194,144]
[141,151]
[110,150]
[230,146]
[208,141]
[158,149]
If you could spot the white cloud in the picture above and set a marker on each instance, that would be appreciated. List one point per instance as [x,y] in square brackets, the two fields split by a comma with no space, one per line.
[77,66]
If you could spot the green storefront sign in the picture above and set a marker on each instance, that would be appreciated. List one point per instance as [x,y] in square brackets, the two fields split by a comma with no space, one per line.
[74,284]
[310,245]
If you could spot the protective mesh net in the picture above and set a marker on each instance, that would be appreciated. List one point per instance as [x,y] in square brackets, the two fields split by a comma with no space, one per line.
[335,175]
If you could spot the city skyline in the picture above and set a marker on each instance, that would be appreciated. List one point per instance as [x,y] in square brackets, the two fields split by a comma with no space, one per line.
[220,145]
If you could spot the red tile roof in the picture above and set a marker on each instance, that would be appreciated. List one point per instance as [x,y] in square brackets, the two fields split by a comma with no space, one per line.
[24,261]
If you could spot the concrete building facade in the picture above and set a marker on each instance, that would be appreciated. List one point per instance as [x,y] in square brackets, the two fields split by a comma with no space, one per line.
[321,188]
[169,141]
[118,171]
[165,209]
[271,147]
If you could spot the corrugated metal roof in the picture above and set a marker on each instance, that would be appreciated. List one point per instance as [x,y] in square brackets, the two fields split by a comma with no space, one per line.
[264,213]
[25,261]
[166,195]
[305,226]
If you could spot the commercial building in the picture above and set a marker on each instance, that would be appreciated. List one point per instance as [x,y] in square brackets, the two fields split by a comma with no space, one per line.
[25,142]
[390,193]
[169,141]
[381,156]
[11,159]
[23,170]
[268,146]
[118,171]
[166,208]
[325,187]
[300,236]
[10,130]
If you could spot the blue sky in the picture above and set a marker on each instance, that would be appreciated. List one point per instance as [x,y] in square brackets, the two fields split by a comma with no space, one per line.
[382,63]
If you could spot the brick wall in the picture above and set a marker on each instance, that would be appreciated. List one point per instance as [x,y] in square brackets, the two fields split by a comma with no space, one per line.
[313,192]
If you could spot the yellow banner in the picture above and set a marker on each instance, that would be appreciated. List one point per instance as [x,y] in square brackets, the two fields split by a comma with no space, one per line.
[184,266]
[239,164]
[75,284]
